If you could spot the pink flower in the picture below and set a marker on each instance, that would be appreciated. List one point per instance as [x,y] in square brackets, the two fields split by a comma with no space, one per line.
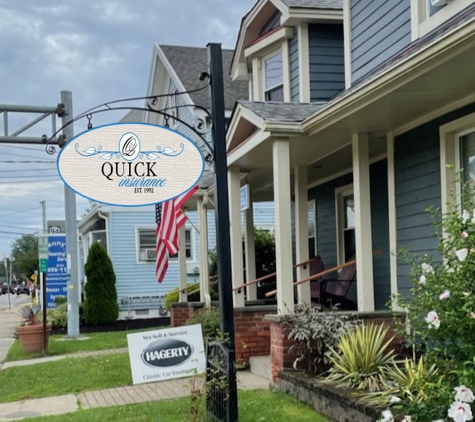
[460,412]
[433,320]
[464,234]
[464,394]
[444,295]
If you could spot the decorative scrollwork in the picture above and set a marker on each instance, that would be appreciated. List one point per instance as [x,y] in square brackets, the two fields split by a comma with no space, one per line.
[50,149]
[151,155]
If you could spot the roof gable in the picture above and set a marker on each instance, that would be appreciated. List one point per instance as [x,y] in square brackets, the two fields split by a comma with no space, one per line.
[189,62]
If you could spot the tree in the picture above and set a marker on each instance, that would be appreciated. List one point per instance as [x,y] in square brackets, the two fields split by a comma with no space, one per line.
[100,305]
[25,254]
[265,260]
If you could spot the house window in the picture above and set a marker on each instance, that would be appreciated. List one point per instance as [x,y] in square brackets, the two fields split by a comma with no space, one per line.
[146,245]
[467,156]
[345,203]
[434,7]
[274,77]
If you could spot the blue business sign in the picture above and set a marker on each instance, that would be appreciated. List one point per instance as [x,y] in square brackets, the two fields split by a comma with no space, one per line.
[57,272]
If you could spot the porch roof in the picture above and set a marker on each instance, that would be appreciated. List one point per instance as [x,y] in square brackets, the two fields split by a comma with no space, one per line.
[281,112]
[428,79]
[314,4]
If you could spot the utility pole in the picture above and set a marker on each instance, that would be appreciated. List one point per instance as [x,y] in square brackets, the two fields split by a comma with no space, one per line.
[71,228]
[43,208]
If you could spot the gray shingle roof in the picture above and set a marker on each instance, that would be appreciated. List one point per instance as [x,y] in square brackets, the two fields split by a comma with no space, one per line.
[189,62]
[133,116]
[315,4]
[281,112]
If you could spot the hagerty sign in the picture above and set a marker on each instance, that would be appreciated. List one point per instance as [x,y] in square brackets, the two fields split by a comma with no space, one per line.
[166,354]
[130,164]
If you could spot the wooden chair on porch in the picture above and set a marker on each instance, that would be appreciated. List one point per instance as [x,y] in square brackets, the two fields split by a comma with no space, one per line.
[336,290]
[316,267]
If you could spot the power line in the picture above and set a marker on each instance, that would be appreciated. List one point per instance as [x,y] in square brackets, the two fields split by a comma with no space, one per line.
[33,231]
[29,176]
[31,199]
[16,227]
[19,212]
[9,171]
[27,162]
[56,179]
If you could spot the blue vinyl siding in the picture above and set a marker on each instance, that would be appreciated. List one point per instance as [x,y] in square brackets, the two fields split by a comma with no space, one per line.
[417,177]
[327,63]
[294,67]
[324,196]
[379,30]
[380,233]
[272,23]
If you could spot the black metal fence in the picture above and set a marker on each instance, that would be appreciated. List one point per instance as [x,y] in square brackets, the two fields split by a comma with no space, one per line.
[219,373]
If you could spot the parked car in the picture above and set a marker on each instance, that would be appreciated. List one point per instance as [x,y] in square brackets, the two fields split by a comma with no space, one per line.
[22,288]
[5,289]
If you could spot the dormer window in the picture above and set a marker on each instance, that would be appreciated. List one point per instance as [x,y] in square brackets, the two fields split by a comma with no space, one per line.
[274,77]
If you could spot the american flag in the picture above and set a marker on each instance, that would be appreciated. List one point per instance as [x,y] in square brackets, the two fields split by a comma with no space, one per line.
[169,221]
[161,265]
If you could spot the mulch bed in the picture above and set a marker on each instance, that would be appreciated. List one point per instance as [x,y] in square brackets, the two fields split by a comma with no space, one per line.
[121,325]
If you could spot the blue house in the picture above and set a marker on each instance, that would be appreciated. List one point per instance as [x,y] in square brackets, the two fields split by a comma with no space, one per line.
[129,233]
[356,107]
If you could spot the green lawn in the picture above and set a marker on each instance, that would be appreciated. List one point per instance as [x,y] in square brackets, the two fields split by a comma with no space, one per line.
[59,346]
[254,406]
[71,375]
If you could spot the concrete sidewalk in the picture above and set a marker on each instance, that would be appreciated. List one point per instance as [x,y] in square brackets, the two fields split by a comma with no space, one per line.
[118,396]
[103,398]
[9,319]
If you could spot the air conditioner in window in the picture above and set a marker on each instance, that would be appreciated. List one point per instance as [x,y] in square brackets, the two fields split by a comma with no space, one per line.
[439,3]
[192,269]
[150,254]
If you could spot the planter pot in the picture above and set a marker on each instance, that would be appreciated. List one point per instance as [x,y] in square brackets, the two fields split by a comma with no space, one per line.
[31,337]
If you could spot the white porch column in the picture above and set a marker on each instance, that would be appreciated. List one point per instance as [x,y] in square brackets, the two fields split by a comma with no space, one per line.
[250,252]
[204,263]
[363,239]
[301,231]
[392,218]
[182,264]
[237,264]
[283,231]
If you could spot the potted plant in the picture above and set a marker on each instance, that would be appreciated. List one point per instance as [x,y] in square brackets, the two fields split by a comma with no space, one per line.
[30,330]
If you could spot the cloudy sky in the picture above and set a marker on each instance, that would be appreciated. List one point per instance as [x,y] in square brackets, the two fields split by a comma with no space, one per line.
[100,51]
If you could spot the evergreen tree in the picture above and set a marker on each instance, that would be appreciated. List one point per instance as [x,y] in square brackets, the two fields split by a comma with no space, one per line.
[100,305]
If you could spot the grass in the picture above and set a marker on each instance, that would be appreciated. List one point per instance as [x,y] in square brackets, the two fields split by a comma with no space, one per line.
[71,375]
[92,342]
[254,406]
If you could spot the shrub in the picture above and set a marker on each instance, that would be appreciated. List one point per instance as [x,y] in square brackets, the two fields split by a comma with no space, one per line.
[100,305]
[60,299]
[361,359]
[210,323]
[59,316]
[315,333]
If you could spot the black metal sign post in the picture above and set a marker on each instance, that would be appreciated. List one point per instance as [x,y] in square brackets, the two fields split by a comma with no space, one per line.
[215,69]
[43,302]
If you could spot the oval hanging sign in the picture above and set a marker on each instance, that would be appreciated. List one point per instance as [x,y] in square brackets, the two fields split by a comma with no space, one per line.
[130,164]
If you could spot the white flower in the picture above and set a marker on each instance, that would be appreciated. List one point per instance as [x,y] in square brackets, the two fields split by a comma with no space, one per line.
[433,319]
[438,420]
[427,268]
[407,418]
[386,416]
[462,254]
[444,295]
[472,315]
[466,294]
[464,394]
[460,412]
[450,270]
[423,279]
[394,399]
[465,216]
[473,218]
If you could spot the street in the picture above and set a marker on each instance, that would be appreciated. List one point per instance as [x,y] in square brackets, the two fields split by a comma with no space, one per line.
[14,300]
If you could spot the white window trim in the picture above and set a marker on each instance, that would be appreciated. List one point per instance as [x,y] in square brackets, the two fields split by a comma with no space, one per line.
[347,41]
[450,156]
[421,24]
[314,203]
[340,193]
[278,37]
[152,228]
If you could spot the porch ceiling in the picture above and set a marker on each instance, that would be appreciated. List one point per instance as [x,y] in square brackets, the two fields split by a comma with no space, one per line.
[413,96]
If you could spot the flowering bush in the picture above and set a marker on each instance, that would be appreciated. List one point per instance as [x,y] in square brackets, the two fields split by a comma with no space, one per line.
[441,315]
